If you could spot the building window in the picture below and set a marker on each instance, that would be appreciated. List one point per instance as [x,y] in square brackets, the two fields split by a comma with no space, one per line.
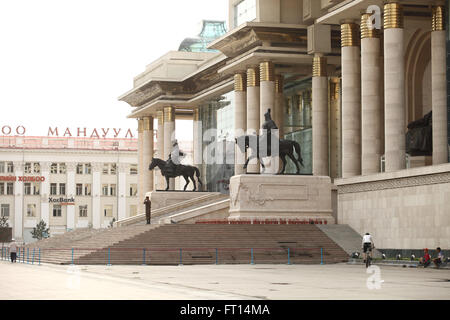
[37,167]
[36,188]
[2,188]
[105,189]
[83,211]
[53,189]
[87,168]
[10,188]
[57,210]
[62,168]
[79,189]
[10,167]
[27,188]
[133,190]
[112,190]
[27,167]
[80,168]
[113,168]
[244,11]
[133,169]
[62,188]
[31,210]
[2,167]
[87,189]
[108,210]
[5,210]
[54,168]
[105,168]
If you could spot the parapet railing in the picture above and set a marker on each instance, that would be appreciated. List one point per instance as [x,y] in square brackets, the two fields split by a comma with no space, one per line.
[166,256]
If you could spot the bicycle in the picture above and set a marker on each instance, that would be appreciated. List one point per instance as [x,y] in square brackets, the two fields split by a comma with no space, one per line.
[369,256]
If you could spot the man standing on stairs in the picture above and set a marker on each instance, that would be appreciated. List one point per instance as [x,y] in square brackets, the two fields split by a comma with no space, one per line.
[148,209]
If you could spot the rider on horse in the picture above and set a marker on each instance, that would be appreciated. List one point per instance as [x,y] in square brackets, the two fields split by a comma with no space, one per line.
[268,125]
[174,157]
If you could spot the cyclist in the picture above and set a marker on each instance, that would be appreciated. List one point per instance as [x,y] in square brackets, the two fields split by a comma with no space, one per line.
[368,245]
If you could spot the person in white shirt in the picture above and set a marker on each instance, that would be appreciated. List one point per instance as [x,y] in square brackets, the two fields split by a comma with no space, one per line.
[13,250]
[367,244]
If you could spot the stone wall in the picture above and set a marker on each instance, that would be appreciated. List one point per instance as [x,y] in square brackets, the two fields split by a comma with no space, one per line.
[408,209]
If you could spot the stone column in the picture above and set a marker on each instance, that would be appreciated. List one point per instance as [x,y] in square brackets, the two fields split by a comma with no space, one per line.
[278,113]
[140,206]
[240,118]
[45,191]
[253,111]
[197,149]
[320,116]
[394,88]
[70,192]
[267,90]
[147,155]
[335,128]
[18,201]
[351,100]
[160,181]
[96,192]
[169,137]
[371,114]
[122,190]
[439,86]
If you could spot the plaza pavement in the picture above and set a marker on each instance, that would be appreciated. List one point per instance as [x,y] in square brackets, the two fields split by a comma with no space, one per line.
[224,282]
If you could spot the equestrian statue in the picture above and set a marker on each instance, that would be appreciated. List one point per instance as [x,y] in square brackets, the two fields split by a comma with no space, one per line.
[286,147]
[173,168]
[419,138]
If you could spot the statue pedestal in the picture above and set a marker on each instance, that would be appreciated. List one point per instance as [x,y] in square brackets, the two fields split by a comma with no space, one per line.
[280,197]
[162,199]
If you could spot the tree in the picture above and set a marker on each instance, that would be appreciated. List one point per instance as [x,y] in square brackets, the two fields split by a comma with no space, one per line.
[40,231]
[4,222]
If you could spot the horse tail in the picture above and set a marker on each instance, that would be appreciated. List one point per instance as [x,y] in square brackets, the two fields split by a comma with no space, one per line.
[298,150]
[197,173]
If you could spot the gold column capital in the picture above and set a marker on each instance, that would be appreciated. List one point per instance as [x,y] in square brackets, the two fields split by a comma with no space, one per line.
[148,123]
[169,114]
[367,28]
[319,66]
[240,80]
[279,83]
[252,77]
[196,116]
[349,35]
[393,15]
[267,71]
[335,85]
[140,125]
[438,18]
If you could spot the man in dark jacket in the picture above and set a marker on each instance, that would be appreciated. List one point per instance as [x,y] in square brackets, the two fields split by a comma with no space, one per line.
[148,209]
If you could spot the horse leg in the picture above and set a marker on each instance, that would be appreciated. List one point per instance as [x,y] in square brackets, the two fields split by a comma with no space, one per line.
[283,159]
[167,183]
[193,181]
[290,155]
[187,182]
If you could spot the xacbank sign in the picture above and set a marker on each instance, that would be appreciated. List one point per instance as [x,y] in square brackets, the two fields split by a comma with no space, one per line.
[80,132]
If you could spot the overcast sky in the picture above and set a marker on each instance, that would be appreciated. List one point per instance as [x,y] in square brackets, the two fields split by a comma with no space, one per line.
[65,62]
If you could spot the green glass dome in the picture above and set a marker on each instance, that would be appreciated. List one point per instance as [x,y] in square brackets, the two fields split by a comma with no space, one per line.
[211,30]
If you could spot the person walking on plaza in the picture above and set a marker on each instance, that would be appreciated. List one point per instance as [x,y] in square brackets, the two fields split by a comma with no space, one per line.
[148,209]
[13,250]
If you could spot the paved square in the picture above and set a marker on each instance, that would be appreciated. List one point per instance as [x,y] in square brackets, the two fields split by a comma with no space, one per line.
[227,282]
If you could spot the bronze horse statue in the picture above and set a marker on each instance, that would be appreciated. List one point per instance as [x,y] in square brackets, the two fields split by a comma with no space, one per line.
[180,170]
[286,148]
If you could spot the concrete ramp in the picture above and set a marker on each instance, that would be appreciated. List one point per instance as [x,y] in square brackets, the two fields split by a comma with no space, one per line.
[347,238]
